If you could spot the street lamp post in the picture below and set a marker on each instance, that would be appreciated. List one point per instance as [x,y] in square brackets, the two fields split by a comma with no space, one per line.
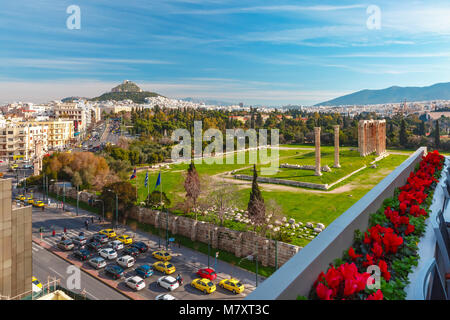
[78,197]
[209,245]
[167,229]
[64,196]
[117,207]
[103,207]
[256,259]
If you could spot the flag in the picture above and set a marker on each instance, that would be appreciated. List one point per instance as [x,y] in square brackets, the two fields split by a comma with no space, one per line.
[133,175]
[158,181]
[146,180]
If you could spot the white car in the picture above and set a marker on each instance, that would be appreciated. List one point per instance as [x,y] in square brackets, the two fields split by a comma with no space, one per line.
[136,283]
[168,282]
[116,245]
[97,262]
[108,253]
[165,296]
[126,261]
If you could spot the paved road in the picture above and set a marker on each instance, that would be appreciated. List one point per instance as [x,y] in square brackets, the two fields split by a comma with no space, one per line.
[187,261]
[46,264]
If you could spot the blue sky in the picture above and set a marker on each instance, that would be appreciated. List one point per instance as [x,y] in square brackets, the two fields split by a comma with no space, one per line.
[257,52]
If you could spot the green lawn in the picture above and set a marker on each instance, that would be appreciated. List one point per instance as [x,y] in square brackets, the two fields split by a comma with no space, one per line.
[350,161]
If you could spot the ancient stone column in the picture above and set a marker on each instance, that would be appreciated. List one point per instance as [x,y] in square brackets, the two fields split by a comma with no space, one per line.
[336,147]
[317,142]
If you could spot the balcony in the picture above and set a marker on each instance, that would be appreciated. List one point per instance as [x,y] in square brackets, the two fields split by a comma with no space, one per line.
[297,276]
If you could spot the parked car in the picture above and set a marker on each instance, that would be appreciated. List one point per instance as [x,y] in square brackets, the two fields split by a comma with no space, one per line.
[83,254]
[97,262]
[125,239]
[126,261]
[136,283]
[141,246]
[110,233]
[232,285]
[161,255]
[165,296]
[66,245]
[114,270]
[144,271]
[39,204]
[100,238]
[132,251]
[168,282]
[79,240]
[164,267]
[36,286]
[204,285]
[96,246]
[207,273]
[108,253]
[116,245]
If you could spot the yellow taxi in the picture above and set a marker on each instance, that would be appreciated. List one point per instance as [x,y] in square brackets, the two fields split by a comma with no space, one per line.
[233,285]
[14,166]
[20,197]
[204,285]
[110,233]
[165,267]
[39,204]
[30,200]
[36,285]
[125,239]
[162,255]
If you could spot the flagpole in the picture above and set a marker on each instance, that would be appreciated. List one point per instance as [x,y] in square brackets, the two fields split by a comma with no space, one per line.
[148,187]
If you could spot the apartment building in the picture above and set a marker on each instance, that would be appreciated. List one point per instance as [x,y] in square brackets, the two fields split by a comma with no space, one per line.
[15,245]
[59,134]
[22,140]
[72,111]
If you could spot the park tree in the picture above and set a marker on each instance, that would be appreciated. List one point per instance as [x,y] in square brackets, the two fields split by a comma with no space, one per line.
[126,193]
[256,208]
[437,137]
[192,184]
[222,196]
[403,136]
[155,198]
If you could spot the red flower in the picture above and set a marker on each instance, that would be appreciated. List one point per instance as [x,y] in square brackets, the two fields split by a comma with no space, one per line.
[376,296]
[350,287]
[353,255]
[409,229]
[323,292]
[377,250]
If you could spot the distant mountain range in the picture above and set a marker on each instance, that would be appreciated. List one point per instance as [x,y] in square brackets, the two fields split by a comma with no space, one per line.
[439,91]
[127,90]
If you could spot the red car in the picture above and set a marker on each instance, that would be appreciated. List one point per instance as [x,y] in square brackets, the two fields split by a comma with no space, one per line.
[207,273]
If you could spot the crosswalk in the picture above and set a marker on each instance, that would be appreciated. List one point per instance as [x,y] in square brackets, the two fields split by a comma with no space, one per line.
[53,241]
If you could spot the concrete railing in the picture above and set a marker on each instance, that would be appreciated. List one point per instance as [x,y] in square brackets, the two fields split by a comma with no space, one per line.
[296,277]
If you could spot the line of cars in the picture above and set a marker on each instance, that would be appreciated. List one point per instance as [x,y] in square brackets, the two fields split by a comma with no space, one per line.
[29,200]
[105,246]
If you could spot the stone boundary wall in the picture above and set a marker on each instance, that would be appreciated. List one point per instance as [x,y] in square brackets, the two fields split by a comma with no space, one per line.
[282,181]
[304,167]
[241,244]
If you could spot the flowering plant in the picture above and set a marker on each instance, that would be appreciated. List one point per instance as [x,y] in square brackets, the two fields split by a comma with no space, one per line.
[389,243]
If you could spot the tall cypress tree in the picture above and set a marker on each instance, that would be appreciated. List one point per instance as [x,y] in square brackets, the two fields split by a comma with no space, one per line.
[192,184]
[437,137]
[256,208]
[403,136]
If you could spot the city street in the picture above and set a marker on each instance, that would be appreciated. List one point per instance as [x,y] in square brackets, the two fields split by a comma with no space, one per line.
[186,261]
[46,264]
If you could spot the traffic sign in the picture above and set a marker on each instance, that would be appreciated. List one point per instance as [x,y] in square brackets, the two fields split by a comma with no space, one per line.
[171,239]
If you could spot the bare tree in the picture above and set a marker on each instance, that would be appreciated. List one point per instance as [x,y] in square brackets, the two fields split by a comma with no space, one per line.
[273,213]
[222,196]
[192,184]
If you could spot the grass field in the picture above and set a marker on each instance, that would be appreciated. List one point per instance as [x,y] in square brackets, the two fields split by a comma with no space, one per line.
[301,204]
[349,160]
